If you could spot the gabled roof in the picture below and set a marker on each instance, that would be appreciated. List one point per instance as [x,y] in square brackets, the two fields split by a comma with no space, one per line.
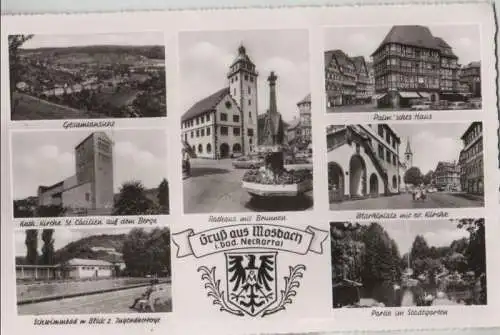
[206,104]
[342,58]
[417,36]
[359,63]
[307,99]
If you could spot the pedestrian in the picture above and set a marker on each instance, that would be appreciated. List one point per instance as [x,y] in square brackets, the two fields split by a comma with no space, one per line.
[146,294]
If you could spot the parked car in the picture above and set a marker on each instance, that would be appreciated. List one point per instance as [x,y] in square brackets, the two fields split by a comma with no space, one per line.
[248,162]
[421,106]
[456,105]
[475,103]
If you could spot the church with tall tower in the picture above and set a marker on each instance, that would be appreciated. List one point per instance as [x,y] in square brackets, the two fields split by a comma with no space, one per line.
[224,124]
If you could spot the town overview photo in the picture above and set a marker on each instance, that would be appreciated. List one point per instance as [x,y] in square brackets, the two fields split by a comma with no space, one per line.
[383,68]
[246,123]
[93,271]
[87,76]
[405,166]
[81,173]
[425,263]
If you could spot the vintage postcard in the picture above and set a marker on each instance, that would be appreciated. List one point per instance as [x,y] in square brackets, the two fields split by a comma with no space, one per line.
[319,170]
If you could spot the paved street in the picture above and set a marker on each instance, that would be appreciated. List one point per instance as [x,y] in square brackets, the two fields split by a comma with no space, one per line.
[405,201]
[111,302]
[215,187]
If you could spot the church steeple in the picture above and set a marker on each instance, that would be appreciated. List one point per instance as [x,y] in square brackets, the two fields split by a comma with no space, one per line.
[408,148]
[408,154]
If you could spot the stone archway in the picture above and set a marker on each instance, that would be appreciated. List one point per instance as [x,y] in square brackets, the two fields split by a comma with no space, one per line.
[394,182]
[357,176]
[336,183]
[374,185]
[224,150]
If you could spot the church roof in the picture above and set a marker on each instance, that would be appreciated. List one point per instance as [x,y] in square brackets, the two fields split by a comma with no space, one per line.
[416,36]
[206,104]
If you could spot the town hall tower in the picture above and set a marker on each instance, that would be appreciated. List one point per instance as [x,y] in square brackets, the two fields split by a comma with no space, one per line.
[242,79]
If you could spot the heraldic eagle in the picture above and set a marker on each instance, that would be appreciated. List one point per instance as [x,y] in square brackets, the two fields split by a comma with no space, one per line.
[250,279]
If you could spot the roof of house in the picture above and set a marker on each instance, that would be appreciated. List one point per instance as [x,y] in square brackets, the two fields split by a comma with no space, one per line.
[359,61]
[341,57]
[417,36]
[87,262]
[307,99]
[443,46]
[206,104]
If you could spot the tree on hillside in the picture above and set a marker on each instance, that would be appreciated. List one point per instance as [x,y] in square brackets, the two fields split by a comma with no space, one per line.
[134,249]
[147,253]
[163,197]
[413,176]
[427,179]
[48,247]
[132,200]
[31,243]
[15,67]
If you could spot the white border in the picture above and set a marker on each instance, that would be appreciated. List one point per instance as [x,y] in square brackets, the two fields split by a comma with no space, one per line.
[187,287]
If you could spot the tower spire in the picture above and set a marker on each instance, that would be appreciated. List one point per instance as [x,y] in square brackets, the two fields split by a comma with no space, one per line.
[408,147]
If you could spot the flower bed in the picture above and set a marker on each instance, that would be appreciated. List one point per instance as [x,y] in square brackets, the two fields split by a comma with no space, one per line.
[287,183]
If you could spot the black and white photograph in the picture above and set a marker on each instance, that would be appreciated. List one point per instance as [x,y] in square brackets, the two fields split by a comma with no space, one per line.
[403,67]
[87,76]
[408,263]
[82,173]
[93,271]
[405,166]
[246,123]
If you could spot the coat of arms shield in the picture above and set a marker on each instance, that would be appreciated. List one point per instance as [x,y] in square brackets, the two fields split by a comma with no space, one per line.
[251,280]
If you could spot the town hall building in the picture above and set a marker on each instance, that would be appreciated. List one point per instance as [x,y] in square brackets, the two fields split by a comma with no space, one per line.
[364,161]
[224,124]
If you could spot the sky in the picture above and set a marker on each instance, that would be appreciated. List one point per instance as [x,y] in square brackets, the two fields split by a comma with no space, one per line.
[62,41]
[437,233]
[431,142]
[205,58]
[64,236]
[363,41]
[46,158]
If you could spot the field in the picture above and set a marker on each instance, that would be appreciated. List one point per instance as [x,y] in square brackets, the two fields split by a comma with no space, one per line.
[25,107]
